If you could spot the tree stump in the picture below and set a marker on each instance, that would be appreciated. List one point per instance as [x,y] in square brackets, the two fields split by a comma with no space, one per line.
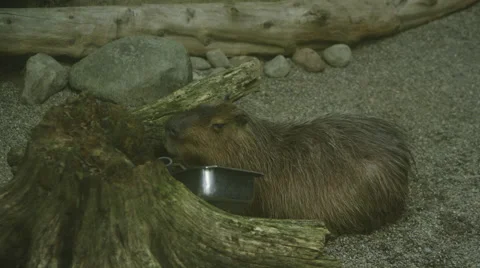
[88,192]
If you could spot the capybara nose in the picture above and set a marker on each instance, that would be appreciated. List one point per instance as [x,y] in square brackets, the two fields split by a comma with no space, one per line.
[176,125]
[172,132]
[172,129]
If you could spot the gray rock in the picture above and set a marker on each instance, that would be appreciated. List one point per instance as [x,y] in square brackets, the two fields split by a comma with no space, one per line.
[44,77]
[277,67]
[338,55]
[134,70]
[217,58]
[197,76]
[309,60]
[200,63]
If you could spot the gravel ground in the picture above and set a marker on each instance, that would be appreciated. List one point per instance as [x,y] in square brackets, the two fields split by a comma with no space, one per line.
[428,80]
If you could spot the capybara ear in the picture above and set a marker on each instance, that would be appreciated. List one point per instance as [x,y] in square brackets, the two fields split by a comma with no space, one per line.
[241,118]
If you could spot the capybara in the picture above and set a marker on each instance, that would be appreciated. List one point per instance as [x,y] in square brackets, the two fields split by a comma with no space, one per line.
[349,171]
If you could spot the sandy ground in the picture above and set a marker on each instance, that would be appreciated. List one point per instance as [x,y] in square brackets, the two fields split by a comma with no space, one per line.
[428,80]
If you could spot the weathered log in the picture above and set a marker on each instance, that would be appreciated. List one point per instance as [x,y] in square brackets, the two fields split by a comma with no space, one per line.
[83,197]
[233,83]
[243,28]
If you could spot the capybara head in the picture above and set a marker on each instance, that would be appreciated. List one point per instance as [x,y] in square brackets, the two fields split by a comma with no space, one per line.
[208,133]
[349,171]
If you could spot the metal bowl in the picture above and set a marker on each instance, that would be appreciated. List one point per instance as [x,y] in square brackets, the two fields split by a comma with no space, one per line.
[229,189]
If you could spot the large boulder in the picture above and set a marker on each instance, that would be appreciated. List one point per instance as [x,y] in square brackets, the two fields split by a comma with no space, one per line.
[134,70]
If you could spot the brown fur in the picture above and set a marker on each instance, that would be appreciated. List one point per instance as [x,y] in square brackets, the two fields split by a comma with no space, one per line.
[347,170]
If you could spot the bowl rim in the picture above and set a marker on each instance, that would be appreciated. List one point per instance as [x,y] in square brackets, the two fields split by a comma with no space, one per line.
[193,168]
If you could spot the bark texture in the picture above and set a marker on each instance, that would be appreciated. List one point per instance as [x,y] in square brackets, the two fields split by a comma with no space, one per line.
[262,28]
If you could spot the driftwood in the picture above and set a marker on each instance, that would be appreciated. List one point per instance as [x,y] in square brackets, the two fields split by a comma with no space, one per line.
[88,192]
[266,28]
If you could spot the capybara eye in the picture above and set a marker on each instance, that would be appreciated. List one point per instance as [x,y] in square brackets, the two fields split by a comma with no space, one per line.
[218,126]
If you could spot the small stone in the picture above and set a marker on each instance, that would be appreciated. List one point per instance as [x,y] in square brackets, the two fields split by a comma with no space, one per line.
[197,76]
[217,58]
[309,60]
[338,55]
[277,67]
[200,63]
[44,77]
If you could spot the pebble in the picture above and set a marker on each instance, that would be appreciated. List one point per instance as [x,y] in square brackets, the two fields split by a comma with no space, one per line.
[217,58]
[277,67]
[200,63]
[309,60]
[338,55]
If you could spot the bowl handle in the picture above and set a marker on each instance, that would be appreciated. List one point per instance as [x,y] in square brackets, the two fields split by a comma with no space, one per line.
[169,163]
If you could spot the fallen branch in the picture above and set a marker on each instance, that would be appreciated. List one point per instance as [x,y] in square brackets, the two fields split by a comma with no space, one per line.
[266,28]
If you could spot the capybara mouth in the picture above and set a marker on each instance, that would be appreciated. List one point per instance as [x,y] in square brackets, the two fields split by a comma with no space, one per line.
[170,146]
